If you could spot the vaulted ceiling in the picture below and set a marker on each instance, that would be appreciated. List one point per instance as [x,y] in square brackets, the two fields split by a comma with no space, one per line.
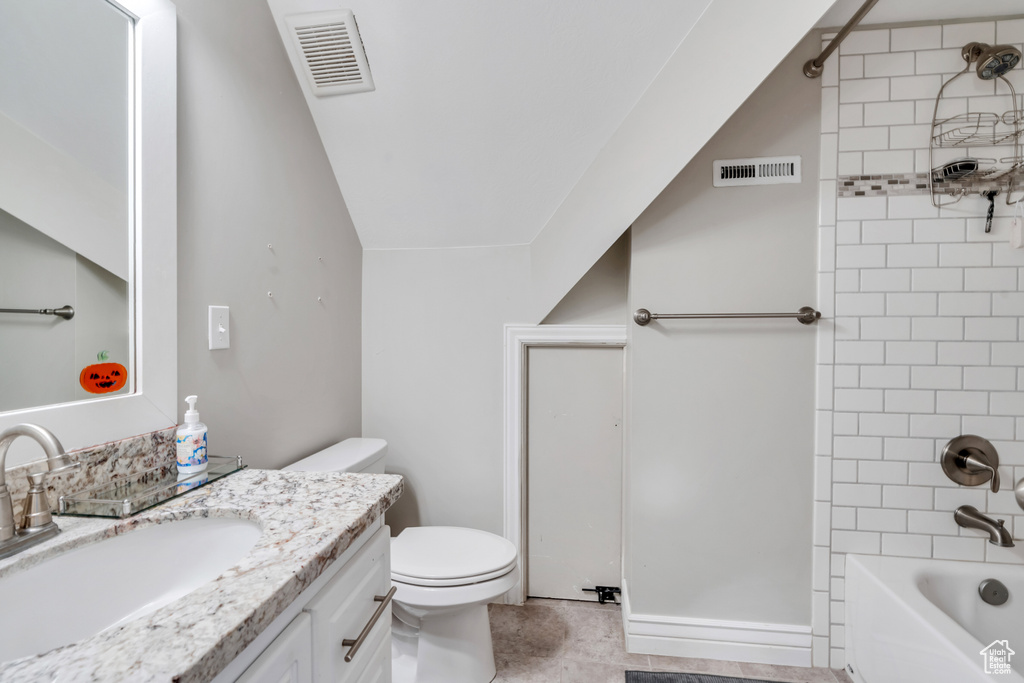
[485,113]
[549,124]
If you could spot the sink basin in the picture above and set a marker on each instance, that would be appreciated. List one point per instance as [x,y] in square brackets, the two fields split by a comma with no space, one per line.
[108,583]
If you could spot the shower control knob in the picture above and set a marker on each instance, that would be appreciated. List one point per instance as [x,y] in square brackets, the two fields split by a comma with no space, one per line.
[970,460]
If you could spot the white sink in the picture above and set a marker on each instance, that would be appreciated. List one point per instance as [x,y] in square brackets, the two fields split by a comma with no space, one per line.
[108,583]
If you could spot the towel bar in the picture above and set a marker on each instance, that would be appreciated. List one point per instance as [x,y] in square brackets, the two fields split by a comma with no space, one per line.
[805,315]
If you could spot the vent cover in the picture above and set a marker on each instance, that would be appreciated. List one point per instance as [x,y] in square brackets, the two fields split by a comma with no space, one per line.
[330,52]
[757,171]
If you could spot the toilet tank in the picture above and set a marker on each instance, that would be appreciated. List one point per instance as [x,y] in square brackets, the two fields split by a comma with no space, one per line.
[351,455]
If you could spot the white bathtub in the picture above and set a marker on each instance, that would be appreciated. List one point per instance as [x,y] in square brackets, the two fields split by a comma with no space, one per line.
[922,621]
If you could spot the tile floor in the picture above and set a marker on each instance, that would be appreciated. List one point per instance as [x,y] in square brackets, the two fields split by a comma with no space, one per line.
[564,641]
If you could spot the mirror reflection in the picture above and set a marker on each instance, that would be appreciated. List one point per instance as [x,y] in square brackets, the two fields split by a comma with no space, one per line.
[65,200]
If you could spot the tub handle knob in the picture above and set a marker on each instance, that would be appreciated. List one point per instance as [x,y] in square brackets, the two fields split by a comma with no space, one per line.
[976,462]
[971,461]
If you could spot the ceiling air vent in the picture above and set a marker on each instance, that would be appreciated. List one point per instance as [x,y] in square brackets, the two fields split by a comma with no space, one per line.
[331,52]
[757,171]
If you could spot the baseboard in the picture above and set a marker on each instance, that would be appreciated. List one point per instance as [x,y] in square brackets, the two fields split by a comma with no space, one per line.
[780,644]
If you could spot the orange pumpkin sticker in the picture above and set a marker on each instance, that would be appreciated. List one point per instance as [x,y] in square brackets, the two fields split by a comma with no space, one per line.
[103,378]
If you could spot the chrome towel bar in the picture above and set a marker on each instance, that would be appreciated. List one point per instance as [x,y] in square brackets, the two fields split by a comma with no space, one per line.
[66,312]
[805,315]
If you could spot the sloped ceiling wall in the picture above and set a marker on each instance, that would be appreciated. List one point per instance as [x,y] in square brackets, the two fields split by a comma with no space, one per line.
[552,124]
[732,48]
[485,113]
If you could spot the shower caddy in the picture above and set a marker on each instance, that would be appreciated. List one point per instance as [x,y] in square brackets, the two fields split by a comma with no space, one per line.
[951,179]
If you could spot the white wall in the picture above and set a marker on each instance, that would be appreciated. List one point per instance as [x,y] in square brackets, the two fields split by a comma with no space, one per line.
[928,311]
[433,322]
[601,296]
[720,452]
[252,172]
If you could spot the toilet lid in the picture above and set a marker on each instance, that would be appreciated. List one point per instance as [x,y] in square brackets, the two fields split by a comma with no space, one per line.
[449,556]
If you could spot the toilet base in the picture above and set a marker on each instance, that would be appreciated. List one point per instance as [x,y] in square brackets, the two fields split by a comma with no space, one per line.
[448,647]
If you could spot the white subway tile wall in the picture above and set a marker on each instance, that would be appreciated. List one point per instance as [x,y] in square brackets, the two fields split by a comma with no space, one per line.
[927,338]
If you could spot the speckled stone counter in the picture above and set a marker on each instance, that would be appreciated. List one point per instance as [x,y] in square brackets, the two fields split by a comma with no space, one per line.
[308,520]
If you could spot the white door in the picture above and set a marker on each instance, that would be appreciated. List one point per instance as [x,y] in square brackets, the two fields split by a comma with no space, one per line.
[574,471]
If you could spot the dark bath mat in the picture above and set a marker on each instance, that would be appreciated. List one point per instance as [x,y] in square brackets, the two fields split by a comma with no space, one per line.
[659,677]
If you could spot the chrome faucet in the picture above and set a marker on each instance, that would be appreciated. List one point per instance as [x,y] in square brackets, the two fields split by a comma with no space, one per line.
[37,524]
[968,516]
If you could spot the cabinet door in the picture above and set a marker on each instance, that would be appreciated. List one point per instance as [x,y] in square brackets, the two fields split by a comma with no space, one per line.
[378,665]
[346,606]
[289,659]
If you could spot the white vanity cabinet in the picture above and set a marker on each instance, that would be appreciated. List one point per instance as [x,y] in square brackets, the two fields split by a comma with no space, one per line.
[305,643]
[289,659]
[345,609]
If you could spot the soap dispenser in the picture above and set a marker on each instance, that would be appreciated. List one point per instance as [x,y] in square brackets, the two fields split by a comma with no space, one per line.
[191,441]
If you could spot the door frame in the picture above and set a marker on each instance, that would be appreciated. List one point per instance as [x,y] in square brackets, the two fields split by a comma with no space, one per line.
[518,341]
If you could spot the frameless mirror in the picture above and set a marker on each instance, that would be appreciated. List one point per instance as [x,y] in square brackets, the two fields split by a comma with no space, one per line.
[65,220]
[87,217]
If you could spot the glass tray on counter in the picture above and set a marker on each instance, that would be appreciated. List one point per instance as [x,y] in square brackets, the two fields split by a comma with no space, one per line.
[125,496]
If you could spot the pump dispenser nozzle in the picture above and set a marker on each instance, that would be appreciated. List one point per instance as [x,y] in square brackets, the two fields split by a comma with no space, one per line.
[191,415]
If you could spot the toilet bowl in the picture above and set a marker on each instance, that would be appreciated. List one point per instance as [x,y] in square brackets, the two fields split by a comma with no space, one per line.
[445,577]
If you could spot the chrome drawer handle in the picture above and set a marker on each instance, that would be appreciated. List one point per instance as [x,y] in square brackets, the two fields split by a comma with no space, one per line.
[354,645]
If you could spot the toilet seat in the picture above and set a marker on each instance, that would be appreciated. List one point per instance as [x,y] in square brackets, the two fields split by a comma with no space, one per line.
[449,556]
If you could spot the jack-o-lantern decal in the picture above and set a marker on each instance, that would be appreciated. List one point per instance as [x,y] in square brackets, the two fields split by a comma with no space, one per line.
[103,378]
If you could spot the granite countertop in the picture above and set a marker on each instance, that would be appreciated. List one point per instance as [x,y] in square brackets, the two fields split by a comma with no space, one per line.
[308,519]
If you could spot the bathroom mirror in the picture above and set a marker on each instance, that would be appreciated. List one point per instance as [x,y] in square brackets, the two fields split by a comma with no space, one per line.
[65,228]
[88,209]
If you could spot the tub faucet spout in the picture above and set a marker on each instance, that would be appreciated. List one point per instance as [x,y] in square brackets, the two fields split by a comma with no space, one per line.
[968,516]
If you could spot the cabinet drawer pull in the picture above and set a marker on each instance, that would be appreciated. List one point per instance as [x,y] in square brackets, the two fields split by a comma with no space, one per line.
[354,645]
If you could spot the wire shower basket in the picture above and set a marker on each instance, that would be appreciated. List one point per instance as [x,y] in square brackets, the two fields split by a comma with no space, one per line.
[956,170]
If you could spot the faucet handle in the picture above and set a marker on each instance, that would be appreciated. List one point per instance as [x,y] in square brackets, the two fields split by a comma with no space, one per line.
[971,461]
[977,462]
[36,512]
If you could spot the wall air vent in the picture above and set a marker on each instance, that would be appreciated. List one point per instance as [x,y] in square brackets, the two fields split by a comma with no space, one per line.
[330,52]
[756,171]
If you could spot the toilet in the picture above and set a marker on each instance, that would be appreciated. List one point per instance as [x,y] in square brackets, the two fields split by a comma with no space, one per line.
[445,576]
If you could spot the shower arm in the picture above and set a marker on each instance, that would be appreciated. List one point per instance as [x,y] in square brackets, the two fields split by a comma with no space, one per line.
[814,67]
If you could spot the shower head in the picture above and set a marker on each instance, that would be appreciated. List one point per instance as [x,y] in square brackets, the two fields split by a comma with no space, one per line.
[993,60]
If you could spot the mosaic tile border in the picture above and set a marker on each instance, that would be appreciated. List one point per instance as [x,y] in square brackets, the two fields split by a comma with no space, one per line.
[902,184]
[882,185]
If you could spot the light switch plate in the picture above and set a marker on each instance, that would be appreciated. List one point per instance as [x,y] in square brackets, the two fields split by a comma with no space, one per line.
[220,336]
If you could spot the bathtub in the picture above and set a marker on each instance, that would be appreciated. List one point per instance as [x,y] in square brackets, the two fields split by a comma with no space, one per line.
[922,621]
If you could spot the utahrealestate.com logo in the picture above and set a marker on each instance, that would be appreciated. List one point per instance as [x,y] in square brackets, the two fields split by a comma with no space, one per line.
[997,657]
